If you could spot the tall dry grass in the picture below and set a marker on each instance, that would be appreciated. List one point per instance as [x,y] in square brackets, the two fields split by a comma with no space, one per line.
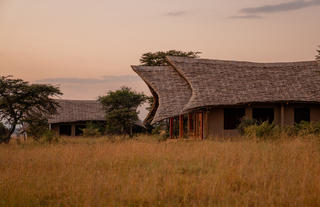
[144,173]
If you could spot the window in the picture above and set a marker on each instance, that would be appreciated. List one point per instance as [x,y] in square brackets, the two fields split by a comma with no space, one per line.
[301,114]
[263,114]
[232,117]
[65,130]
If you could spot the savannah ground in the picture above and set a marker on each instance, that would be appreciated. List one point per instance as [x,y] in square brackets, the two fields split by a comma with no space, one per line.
[145,172]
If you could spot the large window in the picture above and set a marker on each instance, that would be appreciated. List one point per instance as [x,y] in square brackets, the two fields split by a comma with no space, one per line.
[263,114]
[301,114]
[232,117]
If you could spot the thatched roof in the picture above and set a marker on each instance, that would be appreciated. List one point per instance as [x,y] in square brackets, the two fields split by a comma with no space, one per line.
[221,83]
[172,91]
[216,82]
[78,110]
[81,110]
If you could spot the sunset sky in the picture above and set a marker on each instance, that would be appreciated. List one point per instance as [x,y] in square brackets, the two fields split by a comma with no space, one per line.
[87,46]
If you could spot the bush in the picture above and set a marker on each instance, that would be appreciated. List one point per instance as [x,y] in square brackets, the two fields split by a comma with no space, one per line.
[37,127]
[159,127]
[263,131]
[49,137]
[245,122]
[305,128]
[92,130]
[267,130]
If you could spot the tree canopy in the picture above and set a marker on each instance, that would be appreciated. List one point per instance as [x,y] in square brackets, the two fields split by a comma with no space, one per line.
[121,109]
[20,101]
[159,58]
[318,56]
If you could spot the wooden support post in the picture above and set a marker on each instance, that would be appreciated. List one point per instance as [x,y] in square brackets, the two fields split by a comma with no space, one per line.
[171,128]
[249,112]
[190,124]
[181,126]
[195,126]
[58,131]
[282,115]
[73,130]
[201,125]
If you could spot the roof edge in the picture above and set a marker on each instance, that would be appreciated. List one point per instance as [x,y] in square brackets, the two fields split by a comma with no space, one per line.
[150,116]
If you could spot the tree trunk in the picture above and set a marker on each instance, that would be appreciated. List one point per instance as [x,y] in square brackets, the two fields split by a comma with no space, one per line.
[6,140]
[131,132]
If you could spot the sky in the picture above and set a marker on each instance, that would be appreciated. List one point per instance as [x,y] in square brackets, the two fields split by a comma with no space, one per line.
[86,47]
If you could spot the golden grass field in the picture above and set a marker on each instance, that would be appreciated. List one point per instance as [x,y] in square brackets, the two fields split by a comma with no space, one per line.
[144,172]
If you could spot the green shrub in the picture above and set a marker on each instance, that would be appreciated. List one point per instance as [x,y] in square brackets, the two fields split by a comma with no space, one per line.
[92,130]
[263,131]
[306,128]
[271,131]
[37,127]
[245,122]
[50,137]
[159,127]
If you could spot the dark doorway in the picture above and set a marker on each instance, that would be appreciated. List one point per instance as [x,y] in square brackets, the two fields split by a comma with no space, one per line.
[232,117]
[79,129]
[301,114]
[65,130]
[263,114]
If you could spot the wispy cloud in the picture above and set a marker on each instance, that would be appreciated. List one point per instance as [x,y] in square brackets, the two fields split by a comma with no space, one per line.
[176,13]
[105,79]
[246,17]
[282,7]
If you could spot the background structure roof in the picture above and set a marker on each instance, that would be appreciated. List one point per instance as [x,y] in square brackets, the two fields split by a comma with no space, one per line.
[78,110]
[81,110]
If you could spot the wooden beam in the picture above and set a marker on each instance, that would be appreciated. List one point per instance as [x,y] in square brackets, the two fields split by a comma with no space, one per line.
[181,126]
[73,130]
[171,128]
[249,112]
[195,126]
[201,125]
[190,124]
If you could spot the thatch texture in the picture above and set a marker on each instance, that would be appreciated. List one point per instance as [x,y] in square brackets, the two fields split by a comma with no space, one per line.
[216,82]
[199,83]
[81,110]
[171,89]
[78,110]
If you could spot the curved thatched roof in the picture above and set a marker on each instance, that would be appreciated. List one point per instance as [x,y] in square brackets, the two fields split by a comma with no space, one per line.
[172,90]
[216,82]
[78,110]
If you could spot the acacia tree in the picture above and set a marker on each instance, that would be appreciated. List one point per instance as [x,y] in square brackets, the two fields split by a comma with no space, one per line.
[159,58]
[121,109]
[318,56]
[19,101]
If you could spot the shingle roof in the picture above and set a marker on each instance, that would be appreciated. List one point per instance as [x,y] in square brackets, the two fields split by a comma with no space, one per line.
[197,83]
[172,90]
[78,110]
[216,82]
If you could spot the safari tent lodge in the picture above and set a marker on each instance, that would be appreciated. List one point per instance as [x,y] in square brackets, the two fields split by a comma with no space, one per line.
[208,98]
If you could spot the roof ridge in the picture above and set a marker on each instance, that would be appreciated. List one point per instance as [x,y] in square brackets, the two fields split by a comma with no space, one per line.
[237,61]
